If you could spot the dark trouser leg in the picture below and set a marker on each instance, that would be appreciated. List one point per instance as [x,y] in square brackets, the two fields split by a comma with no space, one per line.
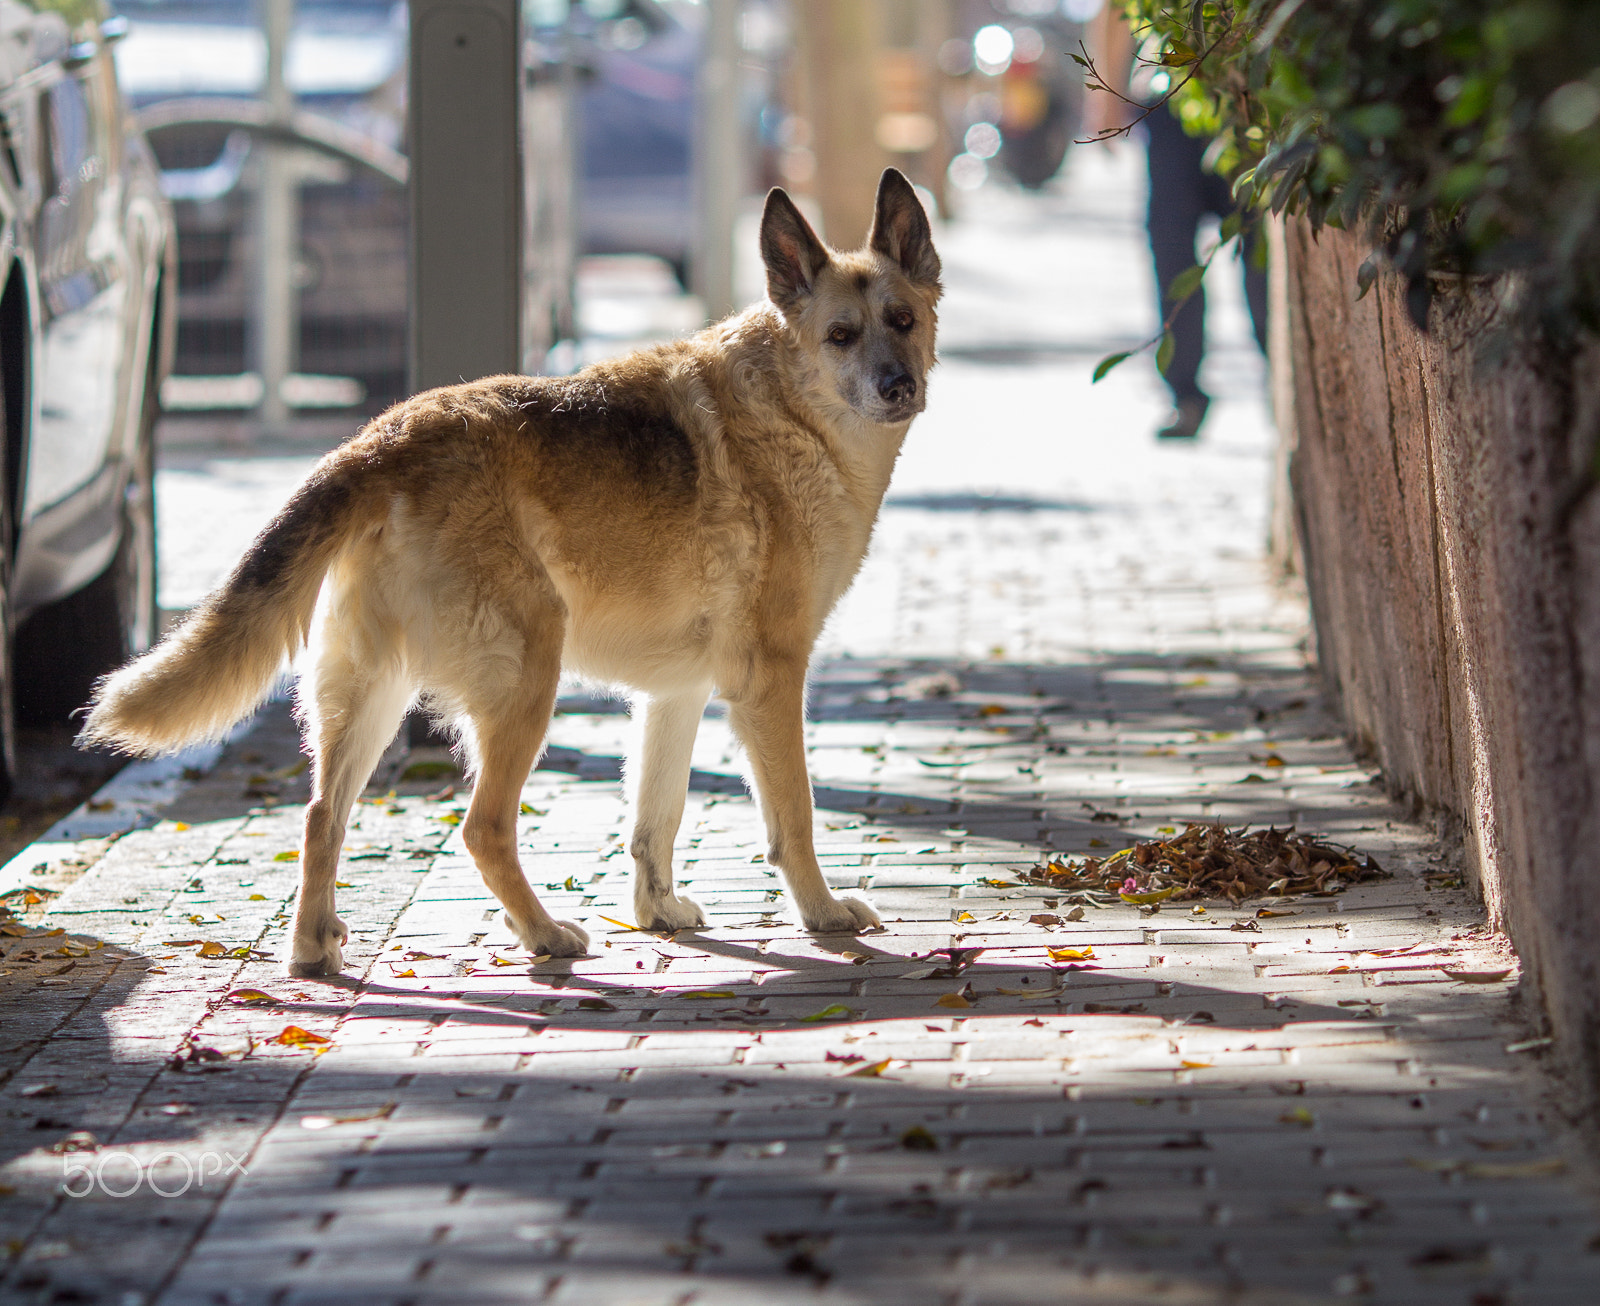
[1177,201]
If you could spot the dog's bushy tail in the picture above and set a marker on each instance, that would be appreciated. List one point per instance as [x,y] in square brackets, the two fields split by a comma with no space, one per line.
[217,667]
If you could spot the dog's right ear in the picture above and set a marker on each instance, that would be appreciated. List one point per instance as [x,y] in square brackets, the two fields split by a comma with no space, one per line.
[791,251]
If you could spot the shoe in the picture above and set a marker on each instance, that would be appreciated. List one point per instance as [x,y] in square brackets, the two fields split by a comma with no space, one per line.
[1186,419]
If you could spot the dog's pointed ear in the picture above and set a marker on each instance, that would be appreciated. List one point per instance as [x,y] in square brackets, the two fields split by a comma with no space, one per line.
[790,249]
[900,229]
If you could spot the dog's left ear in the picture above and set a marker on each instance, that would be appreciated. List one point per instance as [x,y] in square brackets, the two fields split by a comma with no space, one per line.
[900,229]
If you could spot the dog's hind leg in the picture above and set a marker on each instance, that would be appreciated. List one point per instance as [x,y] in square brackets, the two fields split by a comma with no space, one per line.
[352,712]
[769,718]
[669,726]
[508,736]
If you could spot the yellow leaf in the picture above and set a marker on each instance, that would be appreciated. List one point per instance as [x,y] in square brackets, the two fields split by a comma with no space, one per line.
[1145,899]
[621,925]
[836,1010]
[288,855]
[251,995]
[708,993]
[1299,1116]
[1477,976]
[528,809]
[1195,1065]
[952,1000]
[1071,954]
[870,1071]
[1339,970]
[449,818]
[407,973]
[210,949]
[502,961]
[999,884]
[257,897]
[343,884]
[992,709]
[965,916]
[294,1036]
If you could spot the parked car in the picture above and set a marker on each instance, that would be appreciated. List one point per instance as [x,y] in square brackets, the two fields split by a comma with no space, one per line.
[87,257]
[634,63]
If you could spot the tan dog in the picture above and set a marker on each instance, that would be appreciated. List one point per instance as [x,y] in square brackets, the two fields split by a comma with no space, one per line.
[678,522]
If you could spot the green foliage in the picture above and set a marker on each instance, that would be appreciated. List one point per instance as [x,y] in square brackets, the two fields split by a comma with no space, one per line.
[1465,134]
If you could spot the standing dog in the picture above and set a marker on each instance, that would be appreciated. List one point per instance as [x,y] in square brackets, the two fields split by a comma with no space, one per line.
[678,521]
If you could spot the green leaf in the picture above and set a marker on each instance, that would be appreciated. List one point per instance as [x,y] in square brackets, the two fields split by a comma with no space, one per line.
[1186,283]
[1108,362]
[1164,352]
[1366,274]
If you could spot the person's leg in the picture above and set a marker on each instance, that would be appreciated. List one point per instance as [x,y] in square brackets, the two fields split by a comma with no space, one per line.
[1176,203]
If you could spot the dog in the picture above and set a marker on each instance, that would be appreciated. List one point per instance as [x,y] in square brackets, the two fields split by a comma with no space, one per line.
[676,522]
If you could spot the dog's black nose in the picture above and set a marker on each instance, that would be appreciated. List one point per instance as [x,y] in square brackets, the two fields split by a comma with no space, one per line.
[897,388]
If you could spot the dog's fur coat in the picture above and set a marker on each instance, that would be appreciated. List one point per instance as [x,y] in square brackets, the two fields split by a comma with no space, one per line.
[678,522]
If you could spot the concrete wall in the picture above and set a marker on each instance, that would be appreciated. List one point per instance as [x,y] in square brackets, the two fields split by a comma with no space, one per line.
[1456,590]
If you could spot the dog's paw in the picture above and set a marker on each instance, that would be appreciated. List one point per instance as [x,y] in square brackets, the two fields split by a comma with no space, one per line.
[553,939]
[668,914]
[317,948]
[840,916]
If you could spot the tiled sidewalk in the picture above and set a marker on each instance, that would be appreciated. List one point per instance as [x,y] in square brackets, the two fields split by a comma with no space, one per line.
[1215,1107]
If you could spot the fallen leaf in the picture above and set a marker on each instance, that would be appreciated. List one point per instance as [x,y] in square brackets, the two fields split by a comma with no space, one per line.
[528,809]
[1477,976]
[1298,1116]
[1195,1065]
[1044,918]
[856,958]
[952,1000]
[407,973]
[595,1004]
[257,897]
[834,1012]
[965,917]
[1071,954]
[623,925]
[999,884]
[872,1070]
[1076,914]
[709,993]
[918,1139]
[844,1058]
[250,995]
[289,855]
[294,1036]
[210,949]
[1266,913]
[1145,899]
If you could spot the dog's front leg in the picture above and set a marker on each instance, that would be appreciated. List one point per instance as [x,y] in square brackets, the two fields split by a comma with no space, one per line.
[668,725]
[770,721]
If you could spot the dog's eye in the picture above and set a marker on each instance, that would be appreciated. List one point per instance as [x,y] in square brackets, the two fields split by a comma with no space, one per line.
[841,335]
[901,320]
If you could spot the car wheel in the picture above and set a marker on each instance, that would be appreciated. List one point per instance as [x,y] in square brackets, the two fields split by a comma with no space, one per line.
[62,650]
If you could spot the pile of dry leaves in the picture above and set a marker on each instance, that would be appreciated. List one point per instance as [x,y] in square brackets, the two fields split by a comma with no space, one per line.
[1212,861]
